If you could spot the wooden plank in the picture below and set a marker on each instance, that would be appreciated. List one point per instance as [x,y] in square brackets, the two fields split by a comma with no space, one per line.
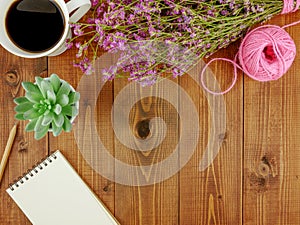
[271,156]
[90,113]
[214,196]
[156,203]
[26,151]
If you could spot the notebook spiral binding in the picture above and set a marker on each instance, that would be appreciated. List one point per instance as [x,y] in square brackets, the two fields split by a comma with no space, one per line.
[31,172]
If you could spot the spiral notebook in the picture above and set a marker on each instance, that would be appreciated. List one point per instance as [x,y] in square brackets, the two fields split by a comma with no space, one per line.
[52,193]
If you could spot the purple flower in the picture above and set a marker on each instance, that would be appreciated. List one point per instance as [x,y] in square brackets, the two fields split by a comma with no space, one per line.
[137,37]
[151,30]
[94,2]
[99,28]
[77,44]
[81,48]
[121,14]
[100,9]
[131,19]
[109,74]
[85,65]
[208,45]
[210,13]
[112,5]
[77,30]
[69,44]
[224,12]
[147,79]
[187,19]
[177,72]
[232,5]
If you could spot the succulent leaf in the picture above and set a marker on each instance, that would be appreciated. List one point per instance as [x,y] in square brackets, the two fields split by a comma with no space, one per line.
[20,100]
[38,125]
[67,110]
[70,110]
[46,112]
[58,120]
[42,110]
[38,81]
[41,133]
[64,89]
[47,119]
[74,97]
[67,126]
[45,87]
[30,87]
[56,130]
[55,82]
[24,107]
[31,125]
[63,100]
[57,109]
[47,102]
[19,116]
[34,97]
[37,105]
[31,114]
[51,97]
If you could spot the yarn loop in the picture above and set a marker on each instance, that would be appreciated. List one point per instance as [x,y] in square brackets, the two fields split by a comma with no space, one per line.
[265,54]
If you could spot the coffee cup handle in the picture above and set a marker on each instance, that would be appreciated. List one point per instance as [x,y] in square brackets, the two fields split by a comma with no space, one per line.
[78,8]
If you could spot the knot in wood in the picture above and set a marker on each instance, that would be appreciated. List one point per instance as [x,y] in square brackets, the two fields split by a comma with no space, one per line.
[263,169]
[23,145]
[143,129]
[222,136]
[12,78]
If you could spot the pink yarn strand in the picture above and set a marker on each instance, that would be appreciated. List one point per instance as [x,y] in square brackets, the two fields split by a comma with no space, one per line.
[297,6]
[291,24]
[288,6]
[234,78]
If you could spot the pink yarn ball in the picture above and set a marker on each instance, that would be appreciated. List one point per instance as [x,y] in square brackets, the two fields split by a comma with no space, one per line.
[266,53]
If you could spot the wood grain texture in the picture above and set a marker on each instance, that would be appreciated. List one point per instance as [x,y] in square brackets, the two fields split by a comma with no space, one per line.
[254,180]
[271,156]
[25,150]
[157,203]
[214,196]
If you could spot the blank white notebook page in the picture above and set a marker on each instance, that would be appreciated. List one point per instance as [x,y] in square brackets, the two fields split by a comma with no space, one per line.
[56,195]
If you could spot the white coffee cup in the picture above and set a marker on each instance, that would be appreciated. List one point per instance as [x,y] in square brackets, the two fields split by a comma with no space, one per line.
[72,11]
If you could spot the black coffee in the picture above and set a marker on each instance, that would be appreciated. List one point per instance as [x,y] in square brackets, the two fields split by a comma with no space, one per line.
[34,31]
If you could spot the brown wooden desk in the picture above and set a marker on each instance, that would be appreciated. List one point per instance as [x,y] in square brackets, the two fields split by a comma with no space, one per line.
[255,178]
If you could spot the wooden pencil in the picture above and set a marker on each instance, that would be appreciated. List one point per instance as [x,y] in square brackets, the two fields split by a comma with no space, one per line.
[7,150]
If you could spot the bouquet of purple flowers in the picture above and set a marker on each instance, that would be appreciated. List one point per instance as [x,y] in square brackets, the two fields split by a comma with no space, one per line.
[201,27]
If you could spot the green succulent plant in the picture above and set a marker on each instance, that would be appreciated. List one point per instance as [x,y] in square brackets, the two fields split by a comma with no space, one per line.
[49,104]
